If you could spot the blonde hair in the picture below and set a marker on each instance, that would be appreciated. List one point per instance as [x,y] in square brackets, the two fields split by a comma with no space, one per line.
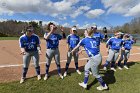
[116,32]
[90,32]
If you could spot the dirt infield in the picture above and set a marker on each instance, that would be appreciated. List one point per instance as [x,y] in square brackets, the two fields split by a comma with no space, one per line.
[11,61]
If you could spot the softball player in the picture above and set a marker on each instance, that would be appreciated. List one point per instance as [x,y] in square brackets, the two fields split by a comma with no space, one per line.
[95,59]
[30,47]
[52,40]
[72,41]
[114,44]
[97,35]
[126,52]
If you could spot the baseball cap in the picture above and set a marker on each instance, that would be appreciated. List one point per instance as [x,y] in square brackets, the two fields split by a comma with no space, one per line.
[23,31]
[120,33]
[127,35]
[73,28]
[94,26]
[29,30]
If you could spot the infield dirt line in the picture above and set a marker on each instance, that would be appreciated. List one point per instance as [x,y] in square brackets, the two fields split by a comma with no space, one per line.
[18,65]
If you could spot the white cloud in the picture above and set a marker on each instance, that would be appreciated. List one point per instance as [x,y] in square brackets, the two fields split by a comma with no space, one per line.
[135,11]
[1,20]
[74,21]
[46,7]
[66,25]
[77,25]
[63,8]
[61,18]
[124,7]
[94,13]
[87,25]
[79,11]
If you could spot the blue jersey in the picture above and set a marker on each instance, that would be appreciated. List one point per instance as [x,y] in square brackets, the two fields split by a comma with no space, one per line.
[29,43]
[90,45]
[98,36]
[128,44]
[53,40]
[73,40]
[115,43]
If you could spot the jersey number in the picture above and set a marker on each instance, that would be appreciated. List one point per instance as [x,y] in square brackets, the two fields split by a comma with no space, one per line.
[31,46]
[93,44]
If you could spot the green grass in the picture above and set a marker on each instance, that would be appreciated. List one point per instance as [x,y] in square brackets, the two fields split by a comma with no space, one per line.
[125,81]
[9,38]
[137,43]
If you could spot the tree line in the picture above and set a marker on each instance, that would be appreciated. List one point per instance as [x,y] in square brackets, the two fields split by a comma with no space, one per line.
[132,27]
[14,28]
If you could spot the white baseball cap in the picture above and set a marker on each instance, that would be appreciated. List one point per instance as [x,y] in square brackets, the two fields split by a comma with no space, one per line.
[73,28]
[94,26]
[120,33]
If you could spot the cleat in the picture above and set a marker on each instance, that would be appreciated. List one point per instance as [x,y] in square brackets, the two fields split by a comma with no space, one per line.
[38,77]
[61,76]
[126,67]
[83,85]
[22,80]
[78,72]
[90,72]
[105,68]
[119,68]
[113,69]
[46,77]
[102,88]
[65,74]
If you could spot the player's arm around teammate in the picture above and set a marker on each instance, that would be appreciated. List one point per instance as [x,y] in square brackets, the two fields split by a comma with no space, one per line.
[94,61]
[72,41]
[125,53]
[30,47]
[52,40]
[114,44]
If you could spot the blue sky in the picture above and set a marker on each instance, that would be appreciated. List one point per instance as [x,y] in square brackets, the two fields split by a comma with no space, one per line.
[83,13]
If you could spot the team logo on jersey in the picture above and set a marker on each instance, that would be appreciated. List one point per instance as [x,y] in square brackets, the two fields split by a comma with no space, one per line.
[53,38]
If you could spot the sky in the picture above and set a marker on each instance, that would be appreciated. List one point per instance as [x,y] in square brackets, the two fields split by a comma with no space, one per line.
[82,13]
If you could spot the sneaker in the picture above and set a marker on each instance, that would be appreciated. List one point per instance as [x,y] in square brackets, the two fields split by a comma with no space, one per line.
[83,85]
[22,80]
[126,67]
[38,77]
[65,74]
[113,69]
[61,76]
[78,72]
[105,68]
[119,68]
[90,72]
[46,77]
[102,88]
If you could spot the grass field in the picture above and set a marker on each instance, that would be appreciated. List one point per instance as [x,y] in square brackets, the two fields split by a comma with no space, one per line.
[9,38]
[137,44]
[125,81]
